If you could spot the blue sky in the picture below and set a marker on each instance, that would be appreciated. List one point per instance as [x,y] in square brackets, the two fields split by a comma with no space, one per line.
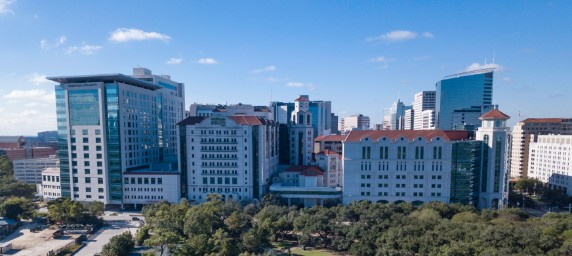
[359,54]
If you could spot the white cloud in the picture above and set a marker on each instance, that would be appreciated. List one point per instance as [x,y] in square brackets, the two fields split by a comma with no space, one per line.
[477,66]
[37,78]
[507,79]
[394,36]
[85,49]
[174,61]
[5,6]
[133,34]
[381,59]
[32,97]
[427,35]
[276,79]
[207,61]
[264,69]
[49,44]
[295,84]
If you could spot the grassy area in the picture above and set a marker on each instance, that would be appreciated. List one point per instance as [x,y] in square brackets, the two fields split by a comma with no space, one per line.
[282,248]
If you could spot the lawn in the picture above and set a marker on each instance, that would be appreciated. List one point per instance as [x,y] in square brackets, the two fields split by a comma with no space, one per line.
[282,248]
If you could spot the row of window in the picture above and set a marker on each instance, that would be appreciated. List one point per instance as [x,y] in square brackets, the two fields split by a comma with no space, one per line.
[143,197]
[402,152]
[399,194]
[87,180]
[141,180]
[144,189]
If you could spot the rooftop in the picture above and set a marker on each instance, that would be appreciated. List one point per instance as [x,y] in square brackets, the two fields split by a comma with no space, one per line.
[244,120]
[306,170]
[494,114]
[10,138]
[357,135]
[542,120]
[105,78]
[326,138]
[470,73]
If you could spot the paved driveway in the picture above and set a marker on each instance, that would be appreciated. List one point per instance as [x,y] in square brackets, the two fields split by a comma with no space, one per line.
[114,225]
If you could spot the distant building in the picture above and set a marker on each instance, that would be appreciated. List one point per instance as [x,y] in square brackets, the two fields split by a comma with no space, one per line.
[334,125]
[232,156]
[408,120]
[352,122]
[395,116]
[304,185]
[51,184]
[424,110]
[301,133]
[29,153]
[30,170]
[550,161]
[48,137]
[524,133]
[332,143]
[12,142]
[321,114]
[460,99]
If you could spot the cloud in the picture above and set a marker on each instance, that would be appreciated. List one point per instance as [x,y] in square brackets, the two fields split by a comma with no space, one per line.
[207,61]
[85,49]
[264,69]
[133,34]
[394,36]
[37,78]
[477,66]
[49,44]
[295,84]
[276,79]
[174,61]
[5,6]
[507,79]
[30,96]
[427,35]
[381,59]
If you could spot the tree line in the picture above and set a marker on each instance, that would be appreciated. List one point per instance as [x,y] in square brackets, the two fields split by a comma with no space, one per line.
[360,228]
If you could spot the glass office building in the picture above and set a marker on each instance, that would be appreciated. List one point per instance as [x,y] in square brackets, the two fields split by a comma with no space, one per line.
[111,125]
[460,95]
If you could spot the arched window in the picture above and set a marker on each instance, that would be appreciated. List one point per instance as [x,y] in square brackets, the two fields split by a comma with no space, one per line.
[308,119]
[301,119]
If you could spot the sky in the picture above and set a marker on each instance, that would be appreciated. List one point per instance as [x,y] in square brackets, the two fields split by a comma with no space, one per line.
[361,55]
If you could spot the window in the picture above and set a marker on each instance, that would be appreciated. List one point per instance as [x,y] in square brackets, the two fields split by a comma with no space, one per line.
[205,180]
[126,180]
[159,180]
[99,180]
[87,180]
[98,148]
[97,132]
[85,140]
[97,140]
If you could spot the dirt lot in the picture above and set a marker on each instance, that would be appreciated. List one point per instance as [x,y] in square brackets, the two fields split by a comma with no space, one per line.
[38,243]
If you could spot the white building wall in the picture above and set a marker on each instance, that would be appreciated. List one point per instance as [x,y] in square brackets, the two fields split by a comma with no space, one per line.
[51,186]
[375,178]
[550,161]
[30,170]
[333,165]
[149,187]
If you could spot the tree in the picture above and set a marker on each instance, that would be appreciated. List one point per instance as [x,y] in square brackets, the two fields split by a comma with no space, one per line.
[96,208]
[17,208]
[119,245]
[6,167]
[10,187]
[162,238]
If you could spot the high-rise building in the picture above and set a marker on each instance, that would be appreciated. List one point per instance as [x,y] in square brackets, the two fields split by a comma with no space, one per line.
[301,133]
[424,110]
[524,133]
[550,161]
[408,119]
[334,125]
[111,126]
[427,165]
[460,99]
[232,156]
[229,110]
[352,122]
[395,116]
[321,114]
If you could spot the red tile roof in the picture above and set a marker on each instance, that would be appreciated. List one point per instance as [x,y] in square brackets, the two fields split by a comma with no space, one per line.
[357,135]
[542,120]
[301,99]
[306,170]
[325,138]
[494,114]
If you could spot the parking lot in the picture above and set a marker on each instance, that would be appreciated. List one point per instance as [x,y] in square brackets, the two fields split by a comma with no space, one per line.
[114,225]
[26,243]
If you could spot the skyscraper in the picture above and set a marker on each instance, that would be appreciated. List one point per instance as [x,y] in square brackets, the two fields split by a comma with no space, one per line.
[462,98]
[111,126]
[321,114]
[395,116]
[359,122]
[424,110]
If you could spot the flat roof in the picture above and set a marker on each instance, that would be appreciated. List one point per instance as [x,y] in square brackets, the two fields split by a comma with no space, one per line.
[468,73]
[117,77]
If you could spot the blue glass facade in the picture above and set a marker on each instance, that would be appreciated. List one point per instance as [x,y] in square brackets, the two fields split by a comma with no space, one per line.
[63,149]
[113,142]
[462,92]
[84,107]
[465,170]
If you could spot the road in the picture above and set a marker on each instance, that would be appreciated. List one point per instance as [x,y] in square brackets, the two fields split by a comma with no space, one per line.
[114,225]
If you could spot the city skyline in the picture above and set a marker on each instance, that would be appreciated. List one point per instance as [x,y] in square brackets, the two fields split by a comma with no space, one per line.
[360,56]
